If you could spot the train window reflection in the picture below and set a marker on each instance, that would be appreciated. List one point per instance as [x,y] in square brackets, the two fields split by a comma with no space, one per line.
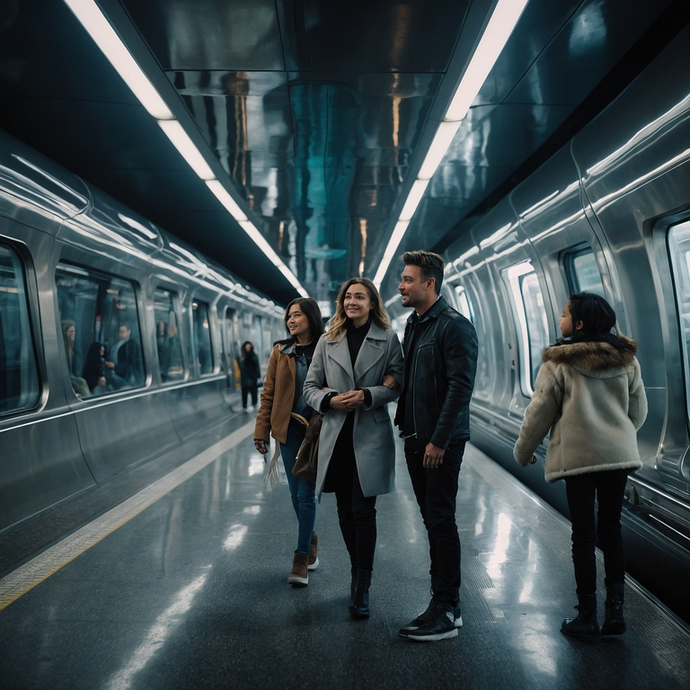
[168,337]
[232,347]
[582,271]
[531,321]
[463,302]
[18,373]
[201,331]
[679,249]
[100,331]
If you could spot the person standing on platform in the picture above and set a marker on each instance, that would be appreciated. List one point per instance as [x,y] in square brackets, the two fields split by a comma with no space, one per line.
[440,348]
[355,372]
[250,375]
[590,396]
[284,414]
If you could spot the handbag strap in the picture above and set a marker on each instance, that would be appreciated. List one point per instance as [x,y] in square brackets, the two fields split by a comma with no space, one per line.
[302,420]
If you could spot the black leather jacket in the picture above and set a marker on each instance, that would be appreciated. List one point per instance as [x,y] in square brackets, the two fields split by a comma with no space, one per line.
[441,373]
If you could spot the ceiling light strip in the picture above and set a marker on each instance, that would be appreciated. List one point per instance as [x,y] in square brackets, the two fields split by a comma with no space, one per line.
[500,26]
[100,30]
[98,27]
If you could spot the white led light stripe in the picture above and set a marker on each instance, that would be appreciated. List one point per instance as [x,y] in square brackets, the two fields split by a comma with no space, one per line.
[497,32]
[98,27]
[92,19]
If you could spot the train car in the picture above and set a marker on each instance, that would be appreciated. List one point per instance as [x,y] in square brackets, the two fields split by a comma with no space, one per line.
[609,213]
[118,342]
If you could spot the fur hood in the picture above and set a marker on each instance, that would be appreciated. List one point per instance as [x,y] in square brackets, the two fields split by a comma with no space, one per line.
[595,359]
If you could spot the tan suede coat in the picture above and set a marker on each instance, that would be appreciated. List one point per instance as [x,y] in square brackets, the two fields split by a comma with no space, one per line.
[592,399]
[277,396]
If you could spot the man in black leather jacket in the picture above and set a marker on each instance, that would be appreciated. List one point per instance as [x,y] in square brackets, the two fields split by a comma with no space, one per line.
[440,348]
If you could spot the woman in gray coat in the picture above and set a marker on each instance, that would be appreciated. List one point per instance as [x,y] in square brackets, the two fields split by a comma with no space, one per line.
[356,370]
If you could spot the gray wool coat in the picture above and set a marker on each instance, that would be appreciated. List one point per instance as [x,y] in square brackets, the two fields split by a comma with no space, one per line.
[374,444]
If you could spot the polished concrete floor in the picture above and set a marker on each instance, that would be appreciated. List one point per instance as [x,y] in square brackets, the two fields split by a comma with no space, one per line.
[191,592]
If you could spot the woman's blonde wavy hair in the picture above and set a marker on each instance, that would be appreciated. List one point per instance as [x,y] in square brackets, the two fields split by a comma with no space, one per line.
[337,327]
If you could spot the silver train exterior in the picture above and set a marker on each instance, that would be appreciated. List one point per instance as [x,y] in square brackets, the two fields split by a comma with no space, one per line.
[610,212]
[74,260]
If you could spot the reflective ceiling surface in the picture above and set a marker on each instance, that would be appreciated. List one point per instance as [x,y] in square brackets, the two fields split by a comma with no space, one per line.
[320,113]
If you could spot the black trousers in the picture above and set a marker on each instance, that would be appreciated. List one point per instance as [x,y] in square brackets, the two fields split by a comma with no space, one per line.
[436,490]
[356,512]
[246,390]
[608,488]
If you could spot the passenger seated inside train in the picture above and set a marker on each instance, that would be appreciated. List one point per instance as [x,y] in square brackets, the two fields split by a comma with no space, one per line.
[123,366]
[94,369]
[69,334]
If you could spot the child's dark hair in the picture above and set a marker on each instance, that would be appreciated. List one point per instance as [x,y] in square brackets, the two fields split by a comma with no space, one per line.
[310,308]
[598,320]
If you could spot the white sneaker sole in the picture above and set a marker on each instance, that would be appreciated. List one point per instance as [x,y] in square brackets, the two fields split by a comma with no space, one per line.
[301,581]
[314,565]
[434,638]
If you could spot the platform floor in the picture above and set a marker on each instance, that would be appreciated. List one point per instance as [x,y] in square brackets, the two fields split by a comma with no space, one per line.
[183,585]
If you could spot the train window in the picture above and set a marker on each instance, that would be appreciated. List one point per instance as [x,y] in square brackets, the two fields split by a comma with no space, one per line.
[167,337]
[582,271]
[203,354]
[232,347]
[463,302]
[679,249]
[532,324]
[18,373]
[100,331]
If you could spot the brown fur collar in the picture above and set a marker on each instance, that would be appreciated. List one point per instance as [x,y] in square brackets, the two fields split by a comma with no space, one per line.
[592,356]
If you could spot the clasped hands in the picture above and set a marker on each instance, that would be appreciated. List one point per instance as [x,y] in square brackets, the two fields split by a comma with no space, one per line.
[353,399]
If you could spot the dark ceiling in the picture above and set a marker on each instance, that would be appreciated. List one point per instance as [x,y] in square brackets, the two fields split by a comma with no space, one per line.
[318,112]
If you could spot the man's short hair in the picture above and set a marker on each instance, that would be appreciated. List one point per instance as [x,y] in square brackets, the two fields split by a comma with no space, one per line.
[431,265]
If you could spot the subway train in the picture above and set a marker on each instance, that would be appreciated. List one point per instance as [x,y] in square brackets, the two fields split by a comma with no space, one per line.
[118,343]
[609,213]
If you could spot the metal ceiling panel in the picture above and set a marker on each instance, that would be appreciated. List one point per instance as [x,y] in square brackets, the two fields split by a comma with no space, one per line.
[210,34]
[588,46]
[365,36]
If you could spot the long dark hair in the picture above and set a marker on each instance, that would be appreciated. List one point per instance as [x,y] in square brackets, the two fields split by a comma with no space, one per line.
[310,308]
[243,351]
[598,320]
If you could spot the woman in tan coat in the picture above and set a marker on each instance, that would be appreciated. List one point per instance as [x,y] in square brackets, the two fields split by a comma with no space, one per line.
[284,414]
[589,394]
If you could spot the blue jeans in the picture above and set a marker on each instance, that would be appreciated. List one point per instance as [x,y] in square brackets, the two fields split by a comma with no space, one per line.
[435,491]
[609,487]
[302,492]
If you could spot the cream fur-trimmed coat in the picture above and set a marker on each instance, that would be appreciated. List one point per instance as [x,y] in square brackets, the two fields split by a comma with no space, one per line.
[592,398]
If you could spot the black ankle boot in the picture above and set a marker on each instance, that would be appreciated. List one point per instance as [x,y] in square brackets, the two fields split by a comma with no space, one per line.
[614,623]
[360,604]
[585,625]
[353,584]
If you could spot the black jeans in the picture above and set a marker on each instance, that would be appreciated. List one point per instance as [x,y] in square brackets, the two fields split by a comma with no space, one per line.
[356,512]
[581,490]
[435,491]
[246,390]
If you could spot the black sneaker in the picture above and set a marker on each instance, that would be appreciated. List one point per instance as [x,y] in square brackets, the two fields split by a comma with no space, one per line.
[428,614]
[439,626]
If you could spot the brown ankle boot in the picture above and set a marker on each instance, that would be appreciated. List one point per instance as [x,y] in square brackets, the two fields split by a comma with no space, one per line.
[299,576]
[313,557]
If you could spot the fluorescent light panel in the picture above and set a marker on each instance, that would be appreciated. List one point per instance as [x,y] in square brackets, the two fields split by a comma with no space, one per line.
[413,199]
[442,140]
[496,34]
[224,197]
[503,20]
[181,141]
[98,27]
